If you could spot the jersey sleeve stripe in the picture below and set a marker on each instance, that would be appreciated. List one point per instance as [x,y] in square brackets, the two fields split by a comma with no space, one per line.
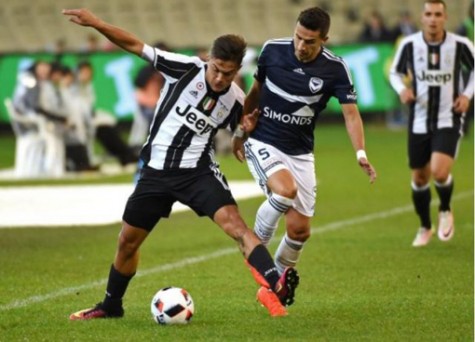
[173,64]
[337,59]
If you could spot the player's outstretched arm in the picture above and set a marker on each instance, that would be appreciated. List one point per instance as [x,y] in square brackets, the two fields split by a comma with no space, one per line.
[354,127]
[116,35]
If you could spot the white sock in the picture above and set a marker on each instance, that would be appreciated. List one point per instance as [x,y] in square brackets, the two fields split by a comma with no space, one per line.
[268,216]
[288,253]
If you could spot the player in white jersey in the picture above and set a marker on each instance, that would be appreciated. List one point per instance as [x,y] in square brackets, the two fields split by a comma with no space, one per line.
[198,98]
[427,75]
[295,79]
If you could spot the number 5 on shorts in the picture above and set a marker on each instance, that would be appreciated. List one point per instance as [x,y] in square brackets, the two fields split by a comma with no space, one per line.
[263,153]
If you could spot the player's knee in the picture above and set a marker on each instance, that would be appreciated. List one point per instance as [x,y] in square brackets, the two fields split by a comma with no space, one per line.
[127,245]
[440,176]
[420,180]
[287,192]
[301,234]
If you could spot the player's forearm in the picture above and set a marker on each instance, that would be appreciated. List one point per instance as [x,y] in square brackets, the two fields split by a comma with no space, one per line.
[354,127]
[468,91]
[397,81]
[121,38]
[251,101]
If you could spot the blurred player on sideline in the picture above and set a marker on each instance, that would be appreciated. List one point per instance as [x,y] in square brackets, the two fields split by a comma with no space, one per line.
[295,79]
[434,59]
[198,98]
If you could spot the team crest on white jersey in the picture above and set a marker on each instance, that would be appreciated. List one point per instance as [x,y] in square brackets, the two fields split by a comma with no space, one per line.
[315,84]
[208,103]
[434,58]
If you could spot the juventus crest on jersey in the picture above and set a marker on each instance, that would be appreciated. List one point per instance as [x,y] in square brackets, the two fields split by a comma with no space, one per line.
[435,73]
[188,114]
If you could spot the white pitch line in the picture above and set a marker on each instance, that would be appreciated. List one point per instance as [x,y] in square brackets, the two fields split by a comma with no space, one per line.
[219,253]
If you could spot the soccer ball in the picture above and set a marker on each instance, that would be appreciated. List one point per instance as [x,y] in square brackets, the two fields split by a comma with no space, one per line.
[172,305]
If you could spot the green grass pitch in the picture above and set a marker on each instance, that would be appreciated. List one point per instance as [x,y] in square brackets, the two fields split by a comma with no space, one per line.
[360,278]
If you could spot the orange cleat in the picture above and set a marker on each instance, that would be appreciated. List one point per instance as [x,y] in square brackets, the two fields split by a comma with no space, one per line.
[271,302]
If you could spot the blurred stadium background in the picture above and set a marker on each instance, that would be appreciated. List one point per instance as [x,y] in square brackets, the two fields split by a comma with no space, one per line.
[33,30]
[29,26]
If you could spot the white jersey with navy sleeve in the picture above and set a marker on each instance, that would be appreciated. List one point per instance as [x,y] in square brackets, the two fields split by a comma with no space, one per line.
[188,113]
[293,93]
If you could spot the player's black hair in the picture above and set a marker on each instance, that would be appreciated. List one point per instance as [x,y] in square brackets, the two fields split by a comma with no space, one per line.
[229,47]
[315,19]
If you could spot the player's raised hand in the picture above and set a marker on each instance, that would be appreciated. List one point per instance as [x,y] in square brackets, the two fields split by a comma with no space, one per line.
[368,169]
[82,17]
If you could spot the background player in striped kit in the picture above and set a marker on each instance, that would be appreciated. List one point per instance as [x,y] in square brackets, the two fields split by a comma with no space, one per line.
[433,60]
[197,99]
[295,79]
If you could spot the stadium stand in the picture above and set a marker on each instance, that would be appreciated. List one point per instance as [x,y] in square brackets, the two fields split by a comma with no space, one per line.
[35,25]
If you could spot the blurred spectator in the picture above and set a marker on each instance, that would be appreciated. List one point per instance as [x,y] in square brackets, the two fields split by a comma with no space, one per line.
[59,49]
[92,43]
[27,125]
[375,29]
[53,107]
[79,137]
[148,84]
[27,91]
[103,125]
[405,26]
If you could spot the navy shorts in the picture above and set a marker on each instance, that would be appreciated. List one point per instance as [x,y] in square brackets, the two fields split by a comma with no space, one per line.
[421,146]
[205,190]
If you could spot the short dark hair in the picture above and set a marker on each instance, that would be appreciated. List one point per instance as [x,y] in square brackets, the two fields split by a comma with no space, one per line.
[436,2]
[315,19]
[229,47]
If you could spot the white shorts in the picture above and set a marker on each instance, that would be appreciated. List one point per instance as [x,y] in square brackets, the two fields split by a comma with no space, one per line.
[264,160]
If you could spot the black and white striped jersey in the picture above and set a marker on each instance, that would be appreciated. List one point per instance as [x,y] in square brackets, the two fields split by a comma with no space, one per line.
[435,72]
[188,113]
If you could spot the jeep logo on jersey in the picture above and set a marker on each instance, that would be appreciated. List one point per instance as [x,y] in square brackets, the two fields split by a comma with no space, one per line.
[195,120]
[434,77]
[315,84]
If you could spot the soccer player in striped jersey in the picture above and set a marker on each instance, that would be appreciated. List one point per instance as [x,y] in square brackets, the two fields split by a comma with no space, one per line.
[294,81]
[432,61]
[197,99]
